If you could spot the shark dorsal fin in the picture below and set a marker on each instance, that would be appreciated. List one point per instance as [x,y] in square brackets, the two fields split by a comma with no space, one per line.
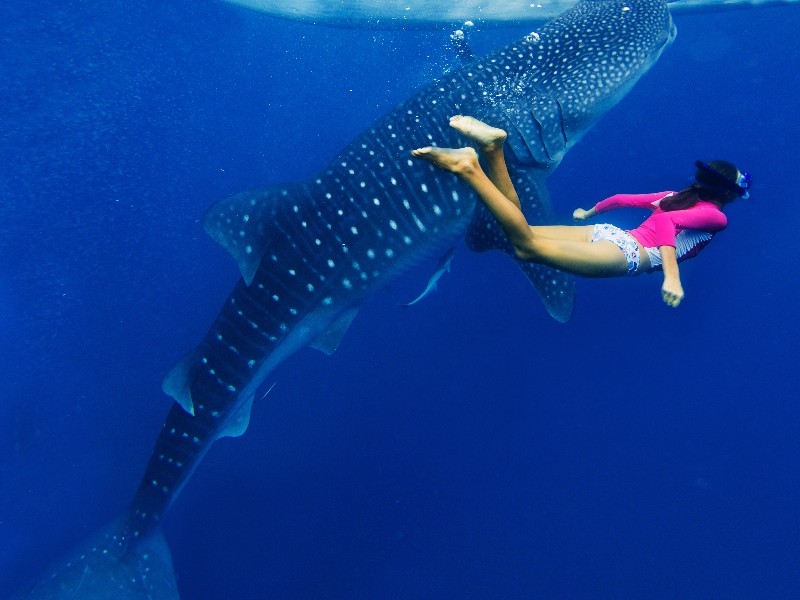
[241,223]
[329,340]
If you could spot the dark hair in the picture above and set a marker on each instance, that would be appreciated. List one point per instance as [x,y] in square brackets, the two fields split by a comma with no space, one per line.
[707,188]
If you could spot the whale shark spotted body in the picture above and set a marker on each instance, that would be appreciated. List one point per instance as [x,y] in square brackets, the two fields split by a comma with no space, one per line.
[310,253]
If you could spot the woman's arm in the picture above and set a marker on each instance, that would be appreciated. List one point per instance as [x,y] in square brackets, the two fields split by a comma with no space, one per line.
[648,201]
[671,290]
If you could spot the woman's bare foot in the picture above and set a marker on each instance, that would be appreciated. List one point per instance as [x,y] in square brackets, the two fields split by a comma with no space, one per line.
[487,137]
[455,160]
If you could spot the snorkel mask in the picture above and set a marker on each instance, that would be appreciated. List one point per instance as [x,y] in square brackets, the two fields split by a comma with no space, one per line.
[743,181]
[719,181]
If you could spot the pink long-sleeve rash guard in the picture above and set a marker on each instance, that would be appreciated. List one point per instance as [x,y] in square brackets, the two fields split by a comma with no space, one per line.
[688,231]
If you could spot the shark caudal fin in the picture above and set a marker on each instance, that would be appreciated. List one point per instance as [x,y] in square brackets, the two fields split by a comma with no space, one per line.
[107,566]
[555,288]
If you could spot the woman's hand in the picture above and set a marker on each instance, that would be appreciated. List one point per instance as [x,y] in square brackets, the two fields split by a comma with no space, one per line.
[581,215]
[672,292]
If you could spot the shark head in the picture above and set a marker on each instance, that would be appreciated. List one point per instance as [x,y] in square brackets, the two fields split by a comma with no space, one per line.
[562,78]
[609,46]
[547,90]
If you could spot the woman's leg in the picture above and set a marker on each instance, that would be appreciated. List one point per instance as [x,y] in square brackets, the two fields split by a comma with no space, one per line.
[599,259]
[588,259]
[572,233]
[490,141]
[464,163]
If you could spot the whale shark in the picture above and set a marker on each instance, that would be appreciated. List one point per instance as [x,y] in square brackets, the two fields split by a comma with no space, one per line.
[388,14]
[310,253]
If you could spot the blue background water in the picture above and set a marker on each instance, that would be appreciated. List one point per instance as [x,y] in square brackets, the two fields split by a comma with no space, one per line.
[470,447]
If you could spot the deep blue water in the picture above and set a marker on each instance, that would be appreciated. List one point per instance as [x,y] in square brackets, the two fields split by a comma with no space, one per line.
[468,448]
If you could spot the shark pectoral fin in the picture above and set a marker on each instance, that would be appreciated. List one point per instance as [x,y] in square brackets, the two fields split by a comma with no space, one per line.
[240,224]
[555,288]
[178,382]
[330,339]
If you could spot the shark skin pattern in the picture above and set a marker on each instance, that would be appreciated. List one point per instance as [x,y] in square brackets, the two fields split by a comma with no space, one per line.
[393,14]
[310,253]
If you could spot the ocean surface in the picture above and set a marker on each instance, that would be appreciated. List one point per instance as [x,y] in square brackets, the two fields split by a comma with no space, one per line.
[468,447]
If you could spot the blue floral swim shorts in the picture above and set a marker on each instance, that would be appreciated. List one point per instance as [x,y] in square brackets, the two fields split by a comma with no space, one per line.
[624,241]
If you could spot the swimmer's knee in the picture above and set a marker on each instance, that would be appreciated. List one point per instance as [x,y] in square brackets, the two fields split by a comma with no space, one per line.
[522,253]
[530,250]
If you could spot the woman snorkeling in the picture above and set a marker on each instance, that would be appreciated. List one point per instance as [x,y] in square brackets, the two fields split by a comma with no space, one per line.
[681,224]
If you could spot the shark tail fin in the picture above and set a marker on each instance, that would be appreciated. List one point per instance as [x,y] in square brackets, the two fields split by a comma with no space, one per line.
[555,288]
[107,565]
